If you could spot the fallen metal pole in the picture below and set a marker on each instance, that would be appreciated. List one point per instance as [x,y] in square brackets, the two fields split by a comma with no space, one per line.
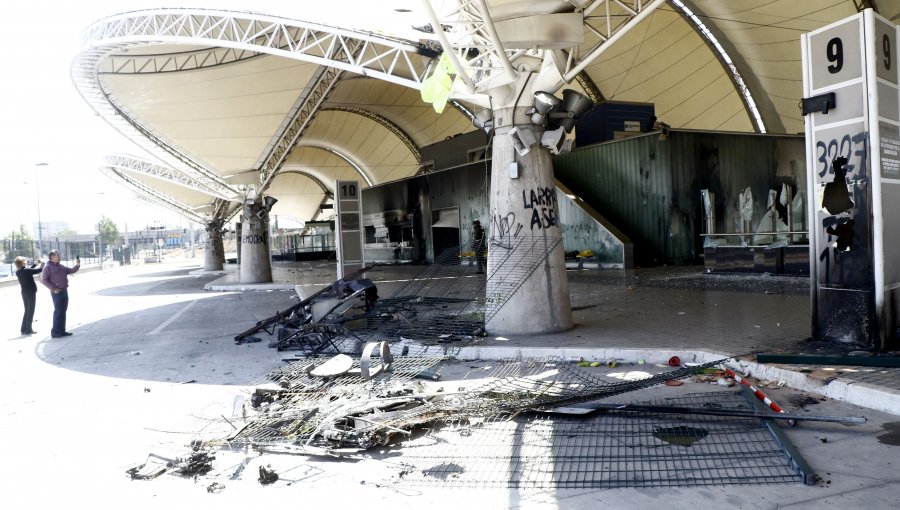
[797,460]
[756,391]
[589,407]
[281,316]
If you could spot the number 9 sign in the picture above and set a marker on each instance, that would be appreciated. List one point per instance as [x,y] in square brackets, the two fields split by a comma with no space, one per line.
[836,54]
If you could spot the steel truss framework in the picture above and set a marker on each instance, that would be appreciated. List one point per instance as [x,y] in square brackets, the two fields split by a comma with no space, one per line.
[481,60]
[387,123]
[172,62]
[145,167]
[328,192]
[237,36]
[387,59]
[470,40]
[88,84]
[296,123]
[152,195]
[360,169]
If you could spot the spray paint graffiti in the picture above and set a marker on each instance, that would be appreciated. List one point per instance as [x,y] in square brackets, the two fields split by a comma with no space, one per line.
[542,202]
[255,239]
[842,198]
[504,229]
[214,238]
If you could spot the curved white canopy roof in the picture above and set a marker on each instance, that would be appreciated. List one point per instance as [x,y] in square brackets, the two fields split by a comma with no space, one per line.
[234,98]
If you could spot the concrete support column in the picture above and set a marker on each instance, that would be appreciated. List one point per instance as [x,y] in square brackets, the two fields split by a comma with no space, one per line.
[214,254]
[256,266]
[524,236]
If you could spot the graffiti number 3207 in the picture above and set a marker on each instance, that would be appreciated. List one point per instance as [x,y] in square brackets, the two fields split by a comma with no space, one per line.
[835,53]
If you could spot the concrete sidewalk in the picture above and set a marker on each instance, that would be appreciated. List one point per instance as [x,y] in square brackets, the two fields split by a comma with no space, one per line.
[651,315]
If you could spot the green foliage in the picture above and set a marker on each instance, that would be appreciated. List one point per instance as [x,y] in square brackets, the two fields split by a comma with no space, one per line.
[18,244]
[109,233]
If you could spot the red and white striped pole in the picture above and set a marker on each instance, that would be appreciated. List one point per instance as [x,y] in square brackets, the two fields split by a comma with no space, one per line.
[759,394]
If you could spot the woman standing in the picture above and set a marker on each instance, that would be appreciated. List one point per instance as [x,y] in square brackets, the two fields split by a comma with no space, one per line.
[29,291]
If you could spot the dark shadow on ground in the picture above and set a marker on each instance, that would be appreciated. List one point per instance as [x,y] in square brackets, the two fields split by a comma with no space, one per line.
[163,274]
[186,285]
[189,341]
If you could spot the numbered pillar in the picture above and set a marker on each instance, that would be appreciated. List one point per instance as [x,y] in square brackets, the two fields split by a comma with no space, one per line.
[348,224]
[527,287]
[214,254]
[256,264]
[853,176]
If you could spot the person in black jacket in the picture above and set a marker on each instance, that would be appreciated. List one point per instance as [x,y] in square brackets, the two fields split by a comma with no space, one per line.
[29,291]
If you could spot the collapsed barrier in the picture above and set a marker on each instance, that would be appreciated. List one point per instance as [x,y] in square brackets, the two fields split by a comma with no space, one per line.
[504,429]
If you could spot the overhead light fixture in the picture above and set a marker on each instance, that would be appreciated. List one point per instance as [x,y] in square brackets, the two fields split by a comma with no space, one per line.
[575,104]
[559,112]
[544,103]
[484,120]
[267,203]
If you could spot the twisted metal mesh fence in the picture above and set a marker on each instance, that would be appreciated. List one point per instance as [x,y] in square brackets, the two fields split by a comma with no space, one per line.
[609,450]
[349,412]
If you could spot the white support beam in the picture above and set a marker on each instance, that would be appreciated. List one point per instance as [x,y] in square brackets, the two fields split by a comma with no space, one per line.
[142,166]
[472,45]
[147,193]
[388,59]
[618,18]
[296,123]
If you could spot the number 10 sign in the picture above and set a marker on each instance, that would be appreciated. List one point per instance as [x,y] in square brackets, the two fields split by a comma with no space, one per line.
[853,179]
[349,235]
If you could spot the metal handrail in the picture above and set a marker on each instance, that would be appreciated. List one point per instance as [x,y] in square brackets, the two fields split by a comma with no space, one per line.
[787,232]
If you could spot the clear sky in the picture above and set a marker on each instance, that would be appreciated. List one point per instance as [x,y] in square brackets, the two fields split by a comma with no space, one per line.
[44,120]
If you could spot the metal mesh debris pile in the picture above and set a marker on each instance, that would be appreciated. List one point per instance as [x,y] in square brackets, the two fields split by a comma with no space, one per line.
[348,413]
[500,427]
[608,450]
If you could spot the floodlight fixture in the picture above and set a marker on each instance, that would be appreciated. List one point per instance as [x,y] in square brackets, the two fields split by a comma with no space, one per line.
[574,104]
[544,103]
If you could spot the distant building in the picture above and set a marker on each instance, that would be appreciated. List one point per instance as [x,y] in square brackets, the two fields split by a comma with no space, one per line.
[51,228]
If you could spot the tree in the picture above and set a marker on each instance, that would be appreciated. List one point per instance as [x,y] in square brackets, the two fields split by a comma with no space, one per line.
[109,234]
[18,244]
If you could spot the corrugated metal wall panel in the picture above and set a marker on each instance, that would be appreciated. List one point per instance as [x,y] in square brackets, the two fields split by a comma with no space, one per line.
[454,150]
[650,188]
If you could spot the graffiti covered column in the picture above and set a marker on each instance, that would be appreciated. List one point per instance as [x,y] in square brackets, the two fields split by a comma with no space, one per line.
[214,254]
[256,267]
[527,290]
[852,118]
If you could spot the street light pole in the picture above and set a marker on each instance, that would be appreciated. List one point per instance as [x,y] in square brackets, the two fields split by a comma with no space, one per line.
[37,180]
